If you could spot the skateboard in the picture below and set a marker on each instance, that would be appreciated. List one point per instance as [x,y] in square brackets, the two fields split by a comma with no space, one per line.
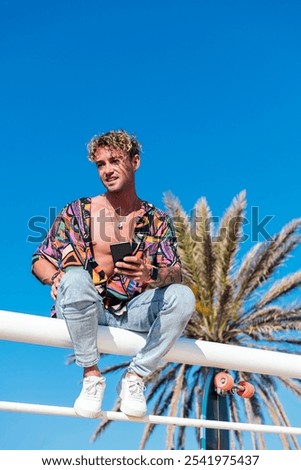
[218,388]
[224,384]
[214,407]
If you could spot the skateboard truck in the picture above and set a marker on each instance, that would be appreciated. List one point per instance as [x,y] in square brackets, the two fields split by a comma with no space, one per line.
[224,384]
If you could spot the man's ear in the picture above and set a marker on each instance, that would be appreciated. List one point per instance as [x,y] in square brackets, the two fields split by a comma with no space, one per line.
[135,162]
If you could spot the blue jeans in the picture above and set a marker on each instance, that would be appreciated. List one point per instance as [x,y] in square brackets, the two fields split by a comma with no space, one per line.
[163,313]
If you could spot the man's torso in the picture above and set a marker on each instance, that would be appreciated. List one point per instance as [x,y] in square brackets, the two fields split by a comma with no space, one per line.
[105,231]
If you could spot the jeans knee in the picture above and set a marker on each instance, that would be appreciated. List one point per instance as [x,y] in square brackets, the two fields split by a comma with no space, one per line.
[76,287]
[184,298]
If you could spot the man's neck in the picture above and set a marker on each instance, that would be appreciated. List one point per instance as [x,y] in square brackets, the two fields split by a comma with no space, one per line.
[126,202]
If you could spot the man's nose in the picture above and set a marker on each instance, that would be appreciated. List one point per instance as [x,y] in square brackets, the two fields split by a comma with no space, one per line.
[108,169]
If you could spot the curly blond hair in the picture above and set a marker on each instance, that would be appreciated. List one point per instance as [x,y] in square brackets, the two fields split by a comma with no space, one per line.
[117,140]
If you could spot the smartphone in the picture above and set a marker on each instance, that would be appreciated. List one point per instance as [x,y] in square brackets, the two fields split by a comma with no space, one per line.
[120,250]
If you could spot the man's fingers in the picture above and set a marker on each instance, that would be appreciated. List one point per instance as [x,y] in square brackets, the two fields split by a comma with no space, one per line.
[131,259]
[53,293]
[128,272]
[129,266]
[55,285]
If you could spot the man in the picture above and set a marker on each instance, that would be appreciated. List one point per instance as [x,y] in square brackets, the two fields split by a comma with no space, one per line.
[142,292]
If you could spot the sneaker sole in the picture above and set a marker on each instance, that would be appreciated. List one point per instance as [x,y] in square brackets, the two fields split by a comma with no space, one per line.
[132,411]
[86,413]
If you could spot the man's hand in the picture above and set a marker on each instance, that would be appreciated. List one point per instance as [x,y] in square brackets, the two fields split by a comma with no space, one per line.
[134,268]
[137,269]
[55,284]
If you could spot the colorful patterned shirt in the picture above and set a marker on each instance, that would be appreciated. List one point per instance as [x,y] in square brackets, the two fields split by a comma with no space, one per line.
[69,244]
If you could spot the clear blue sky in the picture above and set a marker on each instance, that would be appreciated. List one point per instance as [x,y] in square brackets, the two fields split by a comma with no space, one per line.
[211,89]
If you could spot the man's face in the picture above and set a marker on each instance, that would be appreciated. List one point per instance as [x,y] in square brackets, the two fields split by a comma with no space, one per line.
[115,168]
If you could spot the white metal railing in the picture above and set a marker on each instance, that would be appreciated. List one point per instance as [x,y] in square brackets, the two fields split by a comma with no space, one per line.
[40,330]
[35,329]
[167,420]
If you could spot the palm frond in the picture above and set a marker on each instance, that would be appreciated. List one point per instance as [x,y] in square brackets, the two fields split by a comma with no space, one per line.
[164,375]
[225,248]
[174,405]
[189,392]
[271,313]
[279,288]
[184,239]
[284,419]
[105,423]
[264,258]
[149,427]
[197,398]
[294,385]
[203,254]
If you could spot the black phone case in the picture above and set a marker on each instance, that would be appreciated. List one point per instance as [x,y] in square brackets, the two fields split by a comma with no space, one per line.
[120,250]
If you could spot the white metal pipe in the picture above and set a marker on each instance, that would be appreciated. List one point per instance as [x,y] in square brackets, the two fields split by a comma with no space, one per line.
[41,330]
[166,420]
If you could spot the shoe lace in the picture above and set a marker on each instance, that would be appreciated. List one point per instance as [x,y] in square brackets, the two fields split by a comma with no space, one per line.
[136,389]
[93,389]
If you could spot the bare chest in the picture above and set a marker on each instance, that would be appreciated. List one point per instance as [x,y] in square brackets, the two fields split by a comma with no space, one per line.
[107,228]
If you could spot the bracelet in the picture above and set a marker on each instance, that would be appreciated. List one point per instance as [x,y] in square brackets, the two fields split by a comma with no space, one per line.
[154,273]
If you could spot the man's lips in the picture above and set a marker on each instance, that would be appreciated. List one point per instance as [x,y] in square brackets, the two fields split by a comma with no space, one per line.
[110,180]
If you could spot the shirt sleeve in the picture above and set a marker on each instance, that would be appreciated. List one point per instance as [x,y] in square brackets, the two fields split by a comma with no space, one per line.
[167,254]
[56,240]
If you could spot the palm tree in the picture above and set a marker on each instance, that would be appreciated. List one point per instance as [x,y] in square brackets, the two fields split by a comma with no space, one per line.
[242,304]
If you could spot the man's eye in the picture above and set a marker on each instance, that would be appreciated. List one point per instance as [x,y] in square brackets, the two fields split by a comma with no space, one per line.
[116,161]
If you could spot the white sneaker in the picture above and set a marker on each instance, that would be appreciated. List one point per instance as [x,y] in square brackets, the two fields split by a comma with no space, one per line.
[132,399]
[88,403]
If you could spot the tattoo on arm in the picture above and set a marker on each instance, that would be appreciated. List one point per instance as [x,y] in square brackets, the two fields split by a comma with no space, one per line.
[166,276]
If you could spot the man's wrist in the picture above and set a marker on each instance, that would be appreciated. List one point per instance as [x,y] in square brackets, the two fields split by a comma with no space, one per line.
[165,276]
[50,279]
[152,273]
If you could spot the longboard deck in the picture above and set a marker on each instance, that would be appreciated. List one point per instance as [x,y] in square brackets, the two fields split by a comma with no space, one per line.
[214,407]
